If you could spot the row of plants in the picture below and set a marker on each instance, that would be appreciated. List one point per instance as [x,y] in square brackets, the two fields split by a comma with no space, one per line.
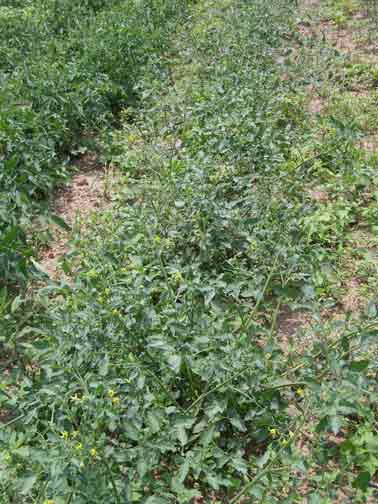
[161,375]
[66,67]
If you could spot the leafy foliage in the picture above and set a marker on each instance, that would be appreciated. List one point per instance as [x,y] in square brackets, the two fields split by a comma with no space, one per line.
[65,68]
[159,376]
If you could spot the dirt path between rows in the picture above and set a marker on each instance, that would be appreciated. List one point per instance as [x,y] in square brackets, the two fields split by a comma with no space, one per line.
[88,192]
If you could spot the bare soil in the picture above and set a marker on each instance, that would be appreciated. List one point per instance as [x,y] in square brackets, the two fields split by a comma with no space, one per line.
[87,192]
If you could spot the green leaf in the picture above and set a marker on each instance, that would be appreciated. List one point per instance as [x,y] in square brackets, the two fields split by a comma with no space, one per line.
[22,452]
[153,499]
[371,309]
[217,482]
[207,436]
[258,492]
[17,302]
[181,435]
[59,222]
[181,424]
[264,459]
[215,408]
[362,481]
[39,267]
[249,293]
[142,468]
[238,424]
[131,432]
[335,424]
[174,362]
[183,471]
[26,484]
[103,368]
[359,365]
[315,498]
[153,420]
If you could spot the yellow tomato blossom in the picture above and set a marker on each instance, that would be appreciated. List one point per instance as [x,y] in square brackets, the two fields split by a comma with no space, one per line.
[116,401]
[274,433]
[75,398]
[178,277]
[64,435]
[111,393]
[93,452]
